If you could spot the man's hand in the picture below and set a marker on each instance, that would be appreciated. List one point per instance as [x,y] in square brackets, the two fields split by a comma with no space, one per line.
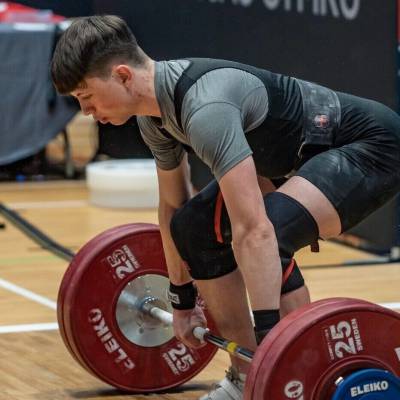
[184,321]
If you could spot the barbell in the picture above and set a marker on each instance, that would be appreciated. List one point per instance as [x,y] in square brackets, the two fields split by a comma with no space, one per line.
[115,319]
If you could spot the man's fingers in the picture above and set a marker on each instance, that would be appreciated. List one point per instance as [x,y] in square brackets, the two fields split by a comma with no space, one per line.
[188,339]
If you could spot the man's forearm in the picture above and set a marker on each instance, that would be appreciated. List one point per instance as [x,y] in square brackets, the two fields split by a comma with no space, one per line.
[177,272]
[259,262]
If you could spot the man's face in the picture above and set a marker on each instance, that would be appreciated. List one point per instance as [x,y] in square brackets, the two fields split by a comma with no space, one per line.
[107,100]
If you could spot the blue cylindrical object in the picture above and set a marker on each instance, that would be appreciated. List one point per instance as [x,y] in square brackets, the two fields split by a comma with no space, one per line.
[369,384]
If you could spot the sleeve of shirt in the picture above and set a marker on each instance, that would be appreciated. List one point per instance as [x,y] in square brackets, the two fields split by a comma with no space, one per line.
[215,132]
[167,152]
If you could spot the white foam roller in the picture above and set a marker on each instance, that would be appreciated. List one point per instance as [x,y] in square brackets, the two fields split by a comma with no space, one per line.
[123,183]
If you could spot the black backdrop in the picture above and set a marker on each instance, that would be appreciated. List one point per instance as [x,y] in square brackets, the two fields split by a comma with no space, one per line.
[67,8]
[349,45]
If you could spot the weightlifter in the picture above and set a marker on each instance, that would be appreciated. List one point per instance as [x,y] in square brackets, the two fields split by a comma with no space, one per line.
[335,156]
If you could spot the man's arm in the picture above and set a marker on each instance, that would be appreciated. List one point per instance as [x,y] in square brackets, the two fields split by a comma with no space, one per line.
[253,237]
[175,190]
[216,134]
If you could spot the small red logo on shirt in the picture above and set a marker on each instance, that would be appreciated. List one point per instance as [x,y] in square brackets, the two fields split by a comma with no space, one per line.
[321,121]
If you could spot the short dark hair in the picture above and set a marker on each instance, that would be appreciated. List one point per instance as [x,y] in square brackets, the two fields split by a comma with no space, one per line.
[89,46]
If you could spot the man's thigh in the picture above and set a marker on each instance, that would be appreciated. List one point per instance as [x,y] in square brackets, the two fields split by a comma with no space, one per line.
[340,188]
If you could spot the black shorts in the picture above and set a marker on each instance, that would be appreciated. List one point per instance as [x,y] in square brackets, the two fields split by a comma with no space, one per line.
[362,171]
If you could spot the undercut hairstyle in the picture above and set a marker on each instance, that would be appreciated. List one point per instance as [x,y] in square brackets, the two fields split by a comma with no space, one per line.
[89,47]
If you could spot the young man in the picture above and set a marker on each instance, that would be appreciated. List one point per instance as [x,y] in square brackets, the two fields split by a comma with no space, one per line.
[339,153]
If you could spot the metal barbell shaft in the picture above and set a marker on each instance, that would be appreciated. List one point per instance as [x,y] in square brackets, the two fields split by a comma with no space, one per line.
[200,333]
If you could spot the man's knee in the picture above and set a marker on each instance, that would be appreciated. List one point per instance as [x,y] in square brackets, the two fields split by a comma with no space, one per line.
[192,230]
[193,220]
[183,232]
[294,228]
[292,278]
[177,229]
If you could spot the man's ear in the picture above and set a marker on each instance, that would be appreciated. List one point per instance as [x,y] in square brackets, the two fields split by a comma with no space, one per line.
[122,73]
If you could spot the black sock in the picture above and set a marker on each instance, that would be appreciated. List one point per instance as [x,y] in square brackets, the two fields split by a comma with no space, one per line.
[264,321]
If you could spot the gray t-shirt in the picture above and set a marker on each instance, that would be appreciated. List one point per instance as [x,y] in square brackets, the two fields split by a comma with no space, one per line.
[216,112]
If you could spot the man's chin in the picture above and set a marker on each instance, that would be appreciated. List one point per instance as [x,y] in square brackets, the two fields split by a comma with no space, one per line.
[117,122]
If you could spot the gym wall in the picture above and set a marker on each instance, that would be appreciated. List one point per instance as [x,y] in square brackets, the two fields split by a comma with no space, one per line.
[349,45]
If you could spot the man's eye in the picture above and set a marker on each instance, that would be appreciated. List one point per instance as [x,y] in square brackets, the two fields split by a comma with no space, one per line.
[86,97]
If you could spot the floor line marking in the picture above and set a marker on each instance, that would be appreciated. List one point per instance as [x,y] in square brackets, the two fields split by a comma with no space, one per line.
[53,305]
[393,306]
[47,326]
[28,294]
[47,204]
[30,259]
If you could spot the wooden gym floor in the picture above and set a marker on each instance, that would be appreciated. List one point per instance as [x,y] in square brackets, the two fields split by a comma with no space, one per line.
[34,364]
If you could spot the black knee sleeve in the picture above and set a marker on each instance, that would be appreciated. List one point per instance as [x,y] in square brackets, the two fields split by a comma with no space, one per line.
[292,278]
[294,228]
[192,229]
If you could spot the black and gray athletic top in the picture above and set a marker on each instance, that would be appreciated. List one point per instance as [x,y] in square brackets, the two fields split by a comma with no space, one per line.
[228,111]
